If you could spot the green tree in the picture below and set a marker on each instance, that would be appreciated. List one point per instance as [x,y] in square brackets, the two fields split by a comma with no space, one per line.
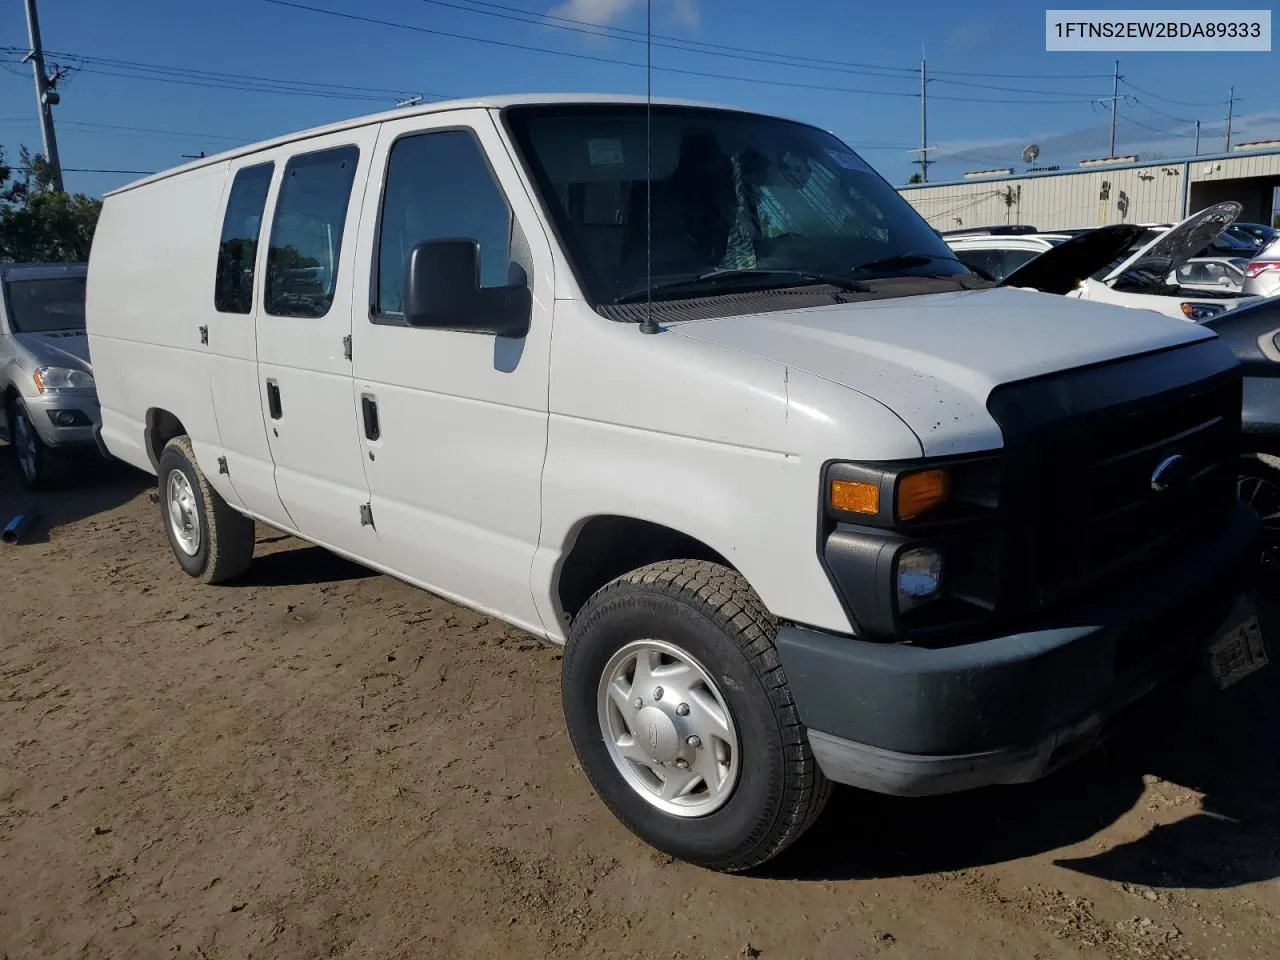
[37,222]
[916,178]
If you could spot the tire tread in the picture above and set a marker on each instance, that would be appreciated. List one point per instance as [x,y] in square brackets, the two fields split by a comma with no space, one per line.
[724,596]
[229,534]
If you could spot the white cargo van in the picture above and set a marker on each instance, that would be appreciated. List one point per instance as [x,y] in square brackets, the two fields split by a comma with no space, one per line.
[806,499]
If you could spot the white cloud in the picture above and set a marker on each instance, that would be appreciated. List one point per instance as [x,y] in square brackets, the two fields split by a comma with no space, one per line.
[600,12]
[604,13]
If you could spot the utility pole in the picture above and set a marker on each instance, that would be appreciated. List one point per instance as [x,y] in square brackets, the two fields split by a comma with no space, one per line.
[1115,97]
[46,96]
[924,122]
[1231,102]
[1197,138]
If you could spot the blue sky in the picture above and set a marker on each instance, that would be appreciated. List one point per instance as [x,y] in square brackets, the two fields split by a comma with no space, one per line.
[995,89]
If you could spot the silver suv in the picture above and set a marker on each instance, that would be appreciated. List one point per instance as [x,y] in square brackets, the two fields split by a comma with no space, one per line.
[46,382]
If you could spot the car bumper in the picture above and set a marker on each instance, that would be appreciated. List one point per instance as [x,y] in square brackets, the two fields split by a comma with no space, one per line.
[912,721]
[48,411]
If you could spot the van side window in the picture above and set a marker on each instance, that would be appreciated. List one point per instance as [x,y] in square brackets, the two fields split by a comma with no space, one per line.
[238,248]
[439,186]
[306,233]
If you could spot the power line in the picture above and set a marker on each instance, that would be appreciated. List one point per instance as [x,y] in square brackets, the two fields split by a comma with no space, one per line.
[138,70]
[1181,103]
[619,33]
[630,63]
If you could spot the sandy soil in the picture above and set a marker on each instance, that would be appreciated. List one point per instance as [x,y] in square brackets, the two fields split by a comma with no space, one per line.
[319,761]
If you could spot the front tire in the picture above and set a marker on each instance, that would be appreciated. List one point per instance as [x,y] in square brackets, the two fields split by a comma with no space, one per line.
[35,463]
[213,543]
[682,718]
[1258,485]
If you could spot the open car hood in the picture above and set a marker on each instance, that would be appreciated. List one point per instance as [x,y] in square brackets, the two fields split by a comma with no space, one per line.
[1167,252]
[1063,268]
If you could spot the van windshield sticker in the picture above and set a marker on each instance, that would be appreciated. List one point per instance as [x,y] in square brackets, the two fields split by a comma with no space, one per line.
[850,161]
[605,153]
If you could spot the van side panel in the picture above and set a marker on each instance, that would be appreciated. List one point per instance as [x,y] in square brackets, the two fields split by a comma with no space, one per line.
[151,272]
[719,445]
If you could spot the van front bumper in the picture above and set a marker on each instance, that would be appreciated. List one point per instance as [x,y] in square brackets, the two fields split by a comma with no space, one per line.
[914,721]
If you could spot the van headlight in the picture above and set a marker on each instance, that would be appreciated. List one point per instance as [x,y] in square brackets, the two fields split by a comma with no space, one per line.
[919,577]
[57,379]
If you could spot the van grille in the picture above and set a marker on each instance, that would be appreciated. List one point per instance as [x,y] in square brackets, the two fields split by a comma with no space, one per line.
[1098,512]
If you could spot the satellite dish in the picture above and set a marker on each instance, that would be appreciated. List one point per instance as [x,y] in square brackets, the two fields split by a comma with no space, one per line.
[1029,155]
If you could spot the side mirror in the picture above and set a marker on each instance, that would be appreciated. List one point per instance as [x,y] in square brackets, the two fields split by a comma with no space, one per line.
[442,292]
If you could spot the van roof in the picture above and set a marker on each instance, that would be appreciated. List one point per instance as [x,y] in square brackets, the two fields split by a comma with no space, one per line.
[438,106]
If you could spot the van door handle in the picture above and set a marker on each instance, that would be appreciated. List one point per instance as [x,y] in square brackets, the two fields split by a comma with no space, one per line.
[369,407]
[273,400]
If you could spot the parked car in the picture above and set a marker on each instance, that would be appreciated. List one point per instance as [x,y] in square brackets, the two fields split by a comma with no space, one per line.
[1210,273]
[50,405]
[1262,235]
[1262,274]
[805,499]
[996,255]
[1140,276]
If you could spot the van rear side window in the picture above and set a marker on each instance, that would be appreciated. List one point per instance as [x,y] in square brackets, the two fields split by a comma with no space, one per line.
[306,233]
[238,248]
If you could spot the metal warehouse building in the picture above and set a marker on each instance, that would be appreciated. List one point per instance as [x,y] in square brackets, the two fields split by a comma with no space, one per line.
[1114,190]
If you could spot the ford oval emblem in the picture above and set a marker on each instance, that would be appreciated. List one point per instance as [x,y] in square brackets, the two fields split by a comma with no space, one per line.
[1170,474]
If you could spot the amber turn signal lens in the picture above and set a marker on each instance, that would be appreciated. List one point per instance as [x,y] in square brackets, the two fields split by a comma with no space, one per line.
[853,497]
[918,493]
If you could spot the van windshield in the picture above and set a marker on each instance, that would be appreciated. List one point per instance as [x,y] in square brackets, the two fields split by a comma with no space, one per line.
[44,305]
[759,202]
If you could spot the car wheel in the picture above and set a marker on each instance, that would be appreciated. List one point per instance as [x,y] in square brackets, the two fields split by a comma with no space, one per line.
[35,463]
[682,718]
[213,543]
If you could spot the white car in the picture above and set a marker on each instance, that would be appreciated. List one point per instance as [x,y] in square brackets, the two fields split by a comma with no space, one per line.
[1210,273]
[1140,277]
[804,498]
[998,255]
[1262,274]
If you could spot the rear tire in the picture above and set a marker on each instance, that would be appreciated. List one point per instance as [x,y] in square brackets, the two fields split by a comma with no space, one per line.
[213,543]
[710,639]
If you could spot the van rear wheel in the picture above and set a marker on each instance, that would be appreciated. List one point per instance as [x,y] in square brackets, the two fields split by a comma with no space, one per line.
[682,718]
[213,543]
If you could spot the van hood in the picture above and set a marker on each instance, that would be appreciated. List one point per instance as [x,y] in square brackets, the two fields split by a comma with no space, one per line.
[59,348]
[934,360]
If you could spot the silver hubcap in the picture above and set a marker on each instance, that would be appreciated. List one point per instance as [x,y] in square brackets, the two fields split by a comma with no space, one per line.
[184,519]
[25,443]
[1264,497]
[668,729]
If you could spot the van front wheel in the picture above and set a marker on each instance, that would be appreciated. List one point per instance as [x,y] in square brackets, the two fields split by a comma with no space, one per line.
[213,543]
[682,718]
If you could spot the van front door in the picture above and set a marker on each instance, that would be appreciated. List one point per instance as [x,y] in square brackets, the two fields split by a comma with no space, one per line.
[303,330]
[456,425]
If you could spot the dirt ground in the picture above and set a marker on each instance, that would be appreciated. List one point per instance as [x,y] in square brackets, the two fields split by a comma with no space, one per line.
[320,761]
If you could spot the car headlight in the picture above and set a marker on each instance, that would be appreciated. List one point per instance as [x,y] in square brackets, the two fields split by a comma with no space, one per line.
[55,379]
[919,577]
[1201,311]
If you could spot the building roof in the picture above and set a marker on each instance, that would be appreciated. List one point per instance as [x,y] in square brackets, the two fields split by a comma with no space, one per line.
[1091,169]
[438,106]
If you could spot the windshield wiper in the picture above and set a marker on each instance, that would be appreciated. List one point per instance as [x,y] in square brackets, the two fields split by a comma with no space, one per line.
[900,260]
[713,277]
